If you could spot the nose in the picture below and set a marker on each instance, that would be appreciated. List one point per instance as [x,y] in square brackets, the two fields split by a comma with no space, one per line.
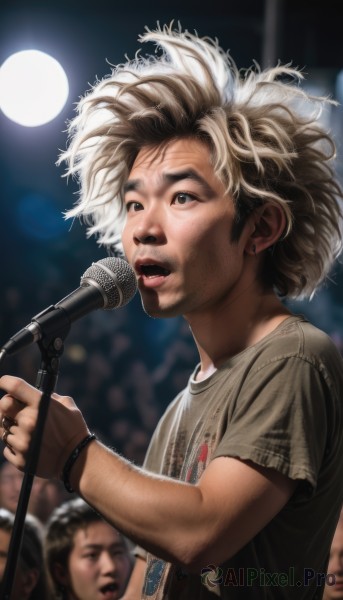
[336,564]
[108,564]
[149,228]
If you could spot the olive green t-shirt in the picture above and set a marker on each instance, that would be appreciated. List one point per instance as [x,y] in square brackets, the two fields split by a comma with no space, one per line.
[278,404]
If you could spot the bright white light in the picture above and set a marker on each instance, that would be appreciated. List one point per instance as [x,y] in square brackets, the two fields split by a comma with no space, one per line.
[33,88]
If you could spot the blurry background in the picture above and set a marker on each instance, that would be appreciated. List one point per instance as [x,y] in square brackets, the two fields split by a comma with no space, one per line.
[123,368]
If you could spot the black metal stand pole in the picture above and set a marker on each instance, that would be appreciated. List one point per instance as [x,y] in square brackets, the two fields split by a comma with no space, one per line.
[47,376]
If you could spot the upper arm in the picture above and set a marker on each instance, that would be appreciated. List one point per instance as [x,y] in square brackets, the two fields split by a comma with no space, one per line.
[239,499]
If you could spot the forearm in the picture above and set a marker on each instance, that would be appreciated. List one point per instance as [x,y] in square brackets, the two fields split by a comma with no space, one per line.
[163,515]
[192,525]
[166,517]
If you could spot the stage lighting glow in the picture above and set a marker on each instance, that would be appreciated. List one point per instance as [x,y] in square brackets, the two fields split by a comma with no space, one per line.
[33,88]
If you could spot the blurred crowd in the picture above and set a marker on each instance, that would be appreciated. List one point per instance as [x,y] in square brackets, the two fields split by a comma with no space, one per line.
[121,367]
[67,550]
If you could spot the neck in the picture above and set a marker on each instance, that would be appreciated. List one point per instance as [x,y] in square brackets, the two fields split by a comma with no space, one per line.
[234,326]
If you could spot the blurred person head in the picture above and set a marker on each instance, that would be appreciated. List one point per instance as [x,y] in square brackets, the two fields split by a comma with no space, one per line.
[10,485]
[86,558]
[334,586]
[29,581]
[45,496]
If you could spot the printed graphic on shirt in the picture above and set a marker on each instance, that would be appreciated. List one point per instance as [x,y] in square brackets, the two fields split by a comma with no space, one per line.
[153,576]
[186,463]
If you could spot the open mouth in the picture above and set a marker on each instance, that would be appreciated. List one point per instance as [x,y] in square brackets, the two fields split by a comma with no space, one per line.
[108,590]
[154,271]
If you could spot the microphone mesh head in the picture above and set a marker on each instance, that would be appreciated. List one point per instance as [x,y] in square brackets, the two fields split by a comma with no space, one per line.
[115,278]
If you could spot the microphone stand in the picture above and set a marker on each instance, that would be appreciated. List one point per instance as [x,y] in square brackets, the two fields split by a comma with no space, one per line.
[51,350]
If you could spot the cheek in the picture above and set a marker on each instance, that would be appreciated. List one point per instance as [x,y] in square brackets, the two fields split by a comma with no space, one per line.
[81,573]
[81,583]
[214,228]
[126,238]
[209,243]
[124,567]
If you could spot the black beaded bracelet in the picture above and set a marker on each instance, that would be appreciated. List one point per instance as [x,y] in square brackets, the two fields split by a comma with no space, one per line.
[72,458]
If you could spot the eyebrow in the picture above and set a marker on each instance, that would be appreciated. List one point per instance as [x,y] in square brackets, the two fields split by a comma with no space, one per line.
[171,178]
[91,546]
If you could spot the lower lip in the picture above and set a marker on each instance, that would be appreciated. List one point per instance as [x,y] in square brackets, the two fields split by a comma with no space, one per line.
[152,282]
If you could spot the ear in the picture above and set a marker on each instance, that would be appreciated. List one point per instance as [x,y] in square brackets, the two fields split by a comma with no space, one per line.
[268,223]
[59,574]
[29,583]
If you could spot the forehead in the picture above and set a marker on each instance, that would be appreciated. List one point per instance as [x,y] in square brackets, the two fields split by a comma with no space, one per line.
[99,533]
[173,155]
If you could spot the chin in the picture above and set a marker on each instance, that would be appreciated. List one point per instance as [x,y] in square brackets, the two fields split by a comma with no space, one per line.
[160,312]
[155,306]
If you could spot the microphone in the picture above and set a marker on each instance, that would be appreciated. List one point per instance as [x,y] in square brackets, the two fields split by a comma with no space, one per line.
[109,283]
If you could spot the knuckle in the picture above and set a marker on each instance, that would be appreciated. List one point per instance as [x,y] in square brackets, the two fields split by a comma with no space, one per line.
[6,398]
[14,384]
[28,423]
[21,446]
[7,405]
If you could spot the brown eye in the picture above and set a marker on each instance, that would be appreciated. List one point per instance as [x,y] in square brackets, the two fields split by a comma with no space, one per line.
[183,198]
[133,206]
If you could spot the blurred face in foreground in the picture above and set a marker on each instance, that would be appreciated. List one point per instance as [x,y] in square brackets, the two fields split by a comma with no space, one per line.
[99,564]
[10,485]
[335,566]
[25,580]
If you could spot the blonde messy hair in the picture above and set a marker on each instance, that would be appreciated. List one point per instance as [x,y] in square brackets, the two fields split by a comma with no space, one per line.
[262,130]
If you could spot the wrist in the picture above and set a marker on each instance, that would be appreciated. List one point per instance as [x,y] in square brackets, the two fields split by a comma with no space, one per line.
[73,458]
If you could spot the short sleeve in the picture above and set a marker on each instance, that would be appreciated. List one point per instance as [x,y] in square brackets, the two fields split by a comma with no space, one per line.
[280,419]
[139,552]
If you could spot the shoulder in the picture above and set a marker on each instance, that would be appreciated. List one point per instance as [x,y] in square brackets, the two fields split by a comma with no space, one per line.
[300,351]
[296,337]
